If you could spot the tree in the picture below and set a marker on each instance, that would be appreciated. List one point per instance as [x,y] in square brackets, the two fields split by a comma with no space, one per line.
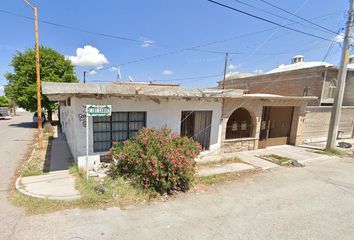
[22,86]
[4,102]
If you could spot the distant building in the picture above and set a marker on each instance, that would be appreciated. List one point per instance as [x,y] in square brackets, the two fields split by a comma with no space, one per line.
[300,78]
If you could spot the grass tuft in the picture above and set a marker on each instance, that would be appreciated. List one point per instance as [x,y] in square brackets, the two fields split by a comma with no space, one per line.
[331,152]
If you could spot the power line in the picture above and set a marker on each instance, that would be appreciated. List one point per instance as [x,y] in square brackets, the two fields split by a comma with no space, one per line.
[173,79]
[293,14]
[195,48]
[188,78]
[123,38]
[279,16]
[267,20]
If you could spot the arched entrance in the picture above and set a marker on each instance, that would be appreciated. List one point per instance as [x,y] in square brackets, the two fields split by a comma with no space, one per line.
[239,125]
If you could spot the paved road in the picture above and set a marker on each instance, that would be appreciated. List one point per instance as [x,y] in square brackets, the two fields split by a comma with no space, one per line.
[315,202]
[15,135]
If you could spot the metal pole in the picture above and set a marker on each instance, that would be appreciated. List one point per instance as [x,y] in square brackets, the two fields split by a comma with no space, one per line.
[342,75]
[87,144]
[225,70]
[84,76]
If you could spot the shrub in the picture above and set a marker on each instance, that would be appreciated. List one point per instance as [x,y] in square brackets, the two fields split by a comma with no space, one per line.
[157,160]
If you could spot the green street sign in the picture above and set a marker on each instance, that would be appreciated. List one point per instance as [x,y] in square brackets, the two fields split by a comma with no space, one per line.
[98,110]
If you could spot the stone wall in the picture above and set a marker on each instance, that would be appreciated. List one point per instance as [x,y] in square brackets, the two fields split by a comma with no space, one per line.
[238,145]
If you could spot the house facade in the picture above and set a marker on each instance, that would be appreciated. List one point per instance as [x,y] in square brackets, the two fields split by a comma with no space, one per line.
[299,78]
[220,120]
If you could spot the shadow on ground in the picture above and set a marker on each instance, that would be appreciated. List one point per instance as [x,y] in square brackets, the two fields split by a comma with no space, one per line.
[24,125]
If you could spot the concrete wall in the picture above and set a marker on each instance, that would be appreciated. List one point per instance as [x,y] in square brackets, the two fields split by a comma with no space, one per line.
[68,123]
[317,120]
[159,113]
[348,99]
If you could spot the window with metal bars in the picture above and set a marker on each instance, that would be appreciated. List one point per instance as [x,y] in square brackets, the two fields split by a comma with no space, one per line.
[120,126]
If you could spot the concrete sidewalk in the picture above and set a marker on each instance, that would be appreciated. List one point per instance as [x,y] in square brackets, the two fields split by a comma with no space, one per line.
[58,184]
[301,154]
[60,157]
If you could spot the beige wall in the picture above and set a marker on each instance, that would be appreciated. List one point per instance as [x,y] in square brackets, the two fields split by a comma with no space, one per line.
[317,120]
[255,108]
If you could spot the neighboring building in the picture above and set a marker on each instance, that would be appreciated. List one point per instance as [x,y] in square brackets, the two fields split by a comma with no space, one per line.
[220,120]
[300,78]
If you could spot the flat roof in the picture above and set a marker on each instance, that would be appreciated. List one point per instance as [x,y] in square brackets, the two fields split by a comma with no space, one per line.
[60,91]
[54,90]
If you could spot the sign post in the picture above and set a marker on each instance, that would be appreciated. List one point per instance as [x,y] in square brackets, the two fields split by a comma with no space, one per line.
[94,111]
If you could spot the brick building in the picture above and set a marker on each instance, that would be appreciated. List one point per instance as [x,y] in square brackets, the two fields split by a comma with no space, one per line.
[299,78]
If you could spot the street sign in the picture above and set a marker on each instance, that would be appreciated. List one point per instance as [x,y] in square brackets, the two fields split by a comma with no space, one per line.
[98,110]
[94,111]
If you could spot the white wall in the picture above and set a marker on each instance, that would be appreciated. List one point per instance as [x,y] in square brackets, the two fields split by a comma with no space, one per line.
[159,113]
[68,123]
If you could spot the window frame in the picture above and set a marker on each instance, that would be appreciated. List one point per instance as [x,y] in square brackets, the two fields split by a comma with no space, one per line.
[111,122]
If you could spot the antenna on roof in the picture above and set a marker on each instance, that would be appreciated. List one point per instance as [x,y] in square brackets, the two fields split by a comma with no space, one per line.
[119,75]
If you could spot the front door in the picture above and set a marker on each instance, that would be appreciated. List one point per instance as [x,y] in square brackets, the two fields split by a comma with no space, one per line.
[275,126]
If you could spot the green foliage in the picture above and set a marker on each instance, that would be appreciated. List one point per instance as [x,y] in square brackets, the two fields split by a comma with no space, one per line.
[157,160]
[331,152]
[22,86]
[4,101]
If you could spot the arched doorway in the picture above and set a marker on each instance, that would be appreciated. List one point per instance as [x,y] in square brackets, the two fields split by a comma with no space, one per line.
[239,125]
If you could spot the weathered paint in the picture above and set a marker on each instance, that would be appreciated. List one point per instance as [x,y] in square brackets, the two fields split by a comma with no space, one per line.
[165,112]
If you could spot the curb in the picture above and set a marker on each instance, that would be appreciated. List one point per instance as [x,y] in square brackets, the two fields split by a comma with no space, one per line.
[33,195]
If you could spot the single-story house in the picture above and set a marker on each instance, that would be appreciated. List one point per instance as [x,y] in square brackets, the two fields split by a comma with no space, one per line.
[220,120]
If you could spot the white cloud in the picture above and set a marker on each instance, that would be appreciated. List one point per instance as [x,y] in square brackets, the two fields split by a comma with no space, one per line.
[92,72]
[88,56]
[167,72]
[339,38]
[147,43]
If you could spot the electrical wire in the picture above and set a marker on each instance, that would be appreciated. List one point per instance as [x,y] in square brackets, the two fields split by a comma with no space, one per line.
[267,20]
[293,14]
[279,16]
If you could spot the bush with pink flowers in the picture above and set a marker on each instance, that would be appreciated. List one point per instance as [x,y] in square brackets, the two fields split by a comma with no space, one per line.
[157,160]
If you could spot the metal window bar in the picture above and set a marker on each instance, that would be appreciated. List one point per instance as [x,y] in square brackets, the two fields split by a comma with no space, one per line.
[101,144]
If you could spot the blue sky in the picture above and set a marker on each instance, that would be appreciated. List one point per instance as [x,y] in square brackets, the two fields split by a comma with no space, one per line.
[164,26]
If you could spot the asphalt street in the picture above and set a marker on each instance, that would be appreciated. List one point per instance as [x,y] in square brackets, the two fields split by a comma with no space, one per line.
[15,136]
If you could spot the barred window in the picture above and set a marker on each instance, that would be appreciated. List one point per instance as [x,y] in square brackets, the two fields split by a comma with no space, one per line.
[120,126]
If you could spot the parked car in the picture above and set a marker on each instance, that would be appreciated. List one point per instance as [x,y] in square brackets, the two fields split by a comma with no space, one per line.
[35,117]
[4,112]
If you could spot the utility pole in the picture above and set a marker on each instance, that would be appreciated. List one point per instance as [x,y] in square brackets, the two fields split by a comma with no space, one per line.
[225,70]
[38,75]
[84,76]
[342,75]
